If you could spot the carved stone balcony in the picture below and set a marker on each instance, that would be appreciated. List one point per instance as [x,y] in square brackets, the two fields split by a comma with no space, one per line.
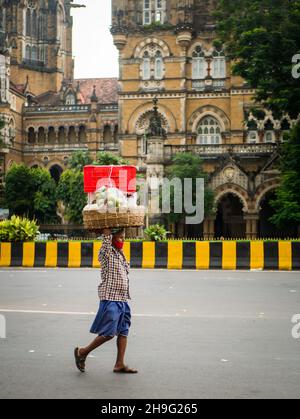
[56,109]
[214,151]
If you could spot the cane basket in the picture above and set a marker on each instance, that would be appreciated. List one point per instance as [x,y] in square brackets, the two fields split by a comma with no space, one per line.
[97,220]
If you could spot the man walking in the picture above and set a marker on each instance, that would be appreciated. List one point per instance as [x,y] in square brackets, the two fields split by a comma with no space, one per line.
[114,316]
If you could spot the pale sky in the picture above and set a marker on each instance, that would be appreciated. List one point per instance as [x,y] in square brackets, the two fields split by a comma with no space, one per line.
[93,48]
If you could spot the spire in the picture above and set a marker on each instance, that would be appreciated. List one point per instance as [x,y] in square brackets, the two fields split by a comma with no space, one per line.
[94,97]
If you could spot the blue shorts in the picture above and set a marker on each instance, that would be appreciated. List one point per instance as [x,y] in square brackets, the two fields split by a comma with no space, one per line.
[113,319]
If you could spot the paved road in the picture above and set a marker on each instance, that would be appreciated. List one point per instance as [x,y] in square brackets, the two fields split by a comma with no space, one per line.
[194,335]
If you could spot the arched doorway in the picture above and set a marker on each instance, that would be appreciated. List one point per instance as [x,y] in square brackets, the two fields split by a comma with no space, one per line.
[266,229]
[56,172]
[230,221]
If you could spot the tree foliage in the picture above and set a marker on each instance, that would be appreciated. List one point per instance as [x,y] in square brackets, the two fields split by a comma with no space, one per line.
[31,193]
[287,201]
[79,159]
[106,159]
[262,36]
[70,191]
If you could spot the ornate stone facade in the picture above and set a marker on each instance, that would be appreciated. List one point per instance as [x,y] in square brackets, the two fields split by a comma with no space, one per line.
[167,51]
[47,113]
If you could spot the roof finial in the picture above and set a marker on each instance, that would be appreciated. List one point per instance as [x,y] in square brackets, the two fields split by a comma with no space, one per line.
[94,97]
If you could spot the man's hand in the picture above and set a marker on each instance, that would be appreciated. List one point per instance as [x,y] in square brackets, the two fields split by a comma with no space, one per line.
[106,232]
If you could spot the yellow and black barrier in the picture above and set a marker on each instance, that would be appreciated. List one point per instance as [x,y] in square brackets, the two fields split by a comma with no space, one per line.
[281,255]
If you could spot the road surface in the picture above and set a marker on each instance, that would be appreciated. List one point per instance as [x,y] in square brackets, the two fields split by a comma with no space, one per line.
[205,334]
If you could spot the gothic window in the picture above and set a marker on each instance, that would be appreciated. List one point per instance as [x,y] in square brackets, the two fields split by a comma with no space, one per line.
[209,131]
[147,12]
[34,55]
[28,22]
[159,11]
[252,135]
[82,134]
[70,99]
[285,128]
[28,52]
[34,25]
[219,65]
[107,134]
[42,54]
[72,135]
[31,136]
[153,10]
[158,66]
[269,136]
[146,66]
[199,64]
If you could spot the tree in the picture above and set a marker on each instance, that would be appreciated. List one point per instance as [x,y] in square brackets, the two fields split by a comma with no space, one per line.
[79,159]
[45,196]
[189,166]
[19,191]
[262,36]
[31,193]
[287,201]
[70,191]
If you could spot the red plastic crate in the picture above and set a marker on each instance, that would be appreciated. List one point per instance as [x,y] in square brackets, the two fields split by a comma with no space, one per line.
[122,177]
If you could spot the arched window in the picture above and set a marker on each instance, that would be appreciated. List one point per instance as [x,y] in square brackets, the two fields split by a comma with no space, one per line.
[42,54]
[34,25]
[107,134]
[158,66]
[219,65]
[209,131]
[31,136]
[154,11]
[269,132]
[146,66]
[199,66]
[252,135]
[285,128]
[147,12]
[159,11]
[28,22]
[70,99]
[82,134]
[34,56]
[28,52]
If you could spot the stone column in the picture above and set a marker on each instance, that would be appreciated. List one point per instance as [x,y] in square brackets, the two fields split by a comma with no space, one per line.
[155,172]
[209,228]
[77,134]
[251,225]
[56,134]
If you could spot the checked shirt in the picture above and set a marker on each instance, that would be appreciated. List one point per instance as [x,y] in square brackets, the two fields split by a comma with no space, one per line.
[114,273]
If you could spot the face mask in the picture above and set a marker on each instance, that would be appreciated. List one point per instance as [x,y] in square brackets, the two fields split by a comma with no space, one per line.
[118,245]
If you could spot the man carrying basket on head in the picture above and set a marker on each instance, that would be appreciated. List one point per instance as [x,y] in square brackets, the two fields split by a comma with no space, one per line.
[114,316]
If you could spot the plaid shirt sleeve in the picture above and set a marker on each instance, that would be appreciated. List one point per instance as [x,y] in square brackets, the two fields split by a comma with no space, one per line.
[114,273]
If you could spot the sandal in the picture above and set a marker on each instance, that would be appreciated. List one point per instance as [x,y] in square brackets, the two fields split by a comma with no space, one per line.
[125,370]
[79,360]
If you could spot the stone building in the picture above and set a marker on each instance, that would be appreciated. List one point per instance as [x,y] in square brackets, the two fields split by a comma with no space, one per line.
[48,114]
[167,50]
